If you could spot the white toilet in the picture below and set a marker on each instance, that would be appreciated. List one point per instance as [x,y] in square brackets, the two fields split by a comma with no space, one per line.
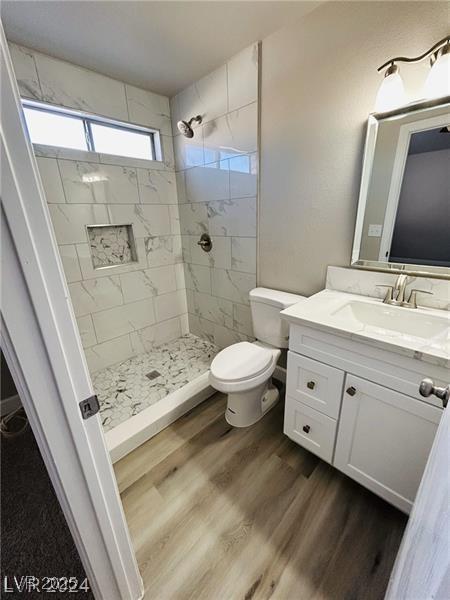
[244,370]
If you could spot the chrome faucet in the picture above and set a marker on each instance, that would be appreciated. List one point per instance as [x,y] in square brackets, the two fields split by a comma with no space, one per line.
[395,294]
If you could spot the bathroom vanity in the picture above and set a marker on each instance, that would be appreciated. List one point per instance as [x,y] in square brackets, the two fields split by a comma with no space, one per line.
[352,393]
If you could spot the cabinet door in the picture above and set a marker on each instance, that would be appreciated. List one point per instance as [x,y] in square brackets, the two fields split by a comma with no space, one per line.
[384,439]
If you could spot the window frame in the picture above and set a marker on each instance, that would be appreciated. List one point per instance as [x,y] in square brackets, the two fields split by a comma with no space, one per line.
[87,119]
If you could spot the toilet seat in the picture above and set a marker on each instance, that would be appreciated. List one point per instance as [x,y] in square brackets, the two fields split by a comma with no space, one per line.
[242,366]
[241,361]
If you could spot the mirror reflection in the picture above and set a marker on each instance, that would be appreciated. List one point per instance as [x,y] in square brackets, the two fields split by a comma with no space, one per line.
[404,210]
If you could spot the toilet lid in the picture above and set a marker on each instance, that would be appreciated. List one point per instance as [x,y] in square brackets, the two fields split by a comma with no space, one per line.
[240,361]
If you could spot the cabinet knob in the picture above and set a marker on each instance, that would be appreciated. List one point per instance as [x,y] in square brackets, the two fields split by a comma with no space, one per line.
[311,385]
[351,391]
[306,428]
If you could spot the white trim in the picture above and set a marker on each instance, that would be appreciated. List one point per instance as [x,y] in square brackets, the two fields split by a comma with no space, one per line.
[366,174]
[133,432]
[42,347]
[398,171]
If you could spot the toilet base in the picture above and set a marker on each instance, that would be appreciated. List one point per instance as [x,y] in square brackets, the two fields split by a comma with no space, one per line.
[246,408]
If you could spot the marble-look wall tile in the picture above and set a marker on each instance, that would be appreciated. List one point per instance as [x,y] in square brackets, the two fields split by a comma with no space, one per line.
[86,183]
[223,336]
[193,218]
[243,78]
[26,72]
[188,152]
[243,254]
[360,281]
[232,217]
[219,256]
[218,170]
[163,250]
[186,248]
[70,220]
[147,219]
[243,176]
[214,309]
[231,135]
[242,319]
[87,188]
[198,278]
[95,295]
[180,276]
[68,85]
[170,305]
[168,161]
[147,108]
[181,187]
[123,319]
[232,285]
[138,285]
[206,97]
[108,353]
[146,339]
[204,184]
[66,153]
[70,263]
[201,327]
[174,216]
[87,332]
[51,180]
[157,187]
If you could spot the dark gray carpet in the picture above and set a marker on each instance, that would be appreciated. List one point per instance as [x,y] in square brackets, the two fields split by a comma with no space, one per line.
[35,538]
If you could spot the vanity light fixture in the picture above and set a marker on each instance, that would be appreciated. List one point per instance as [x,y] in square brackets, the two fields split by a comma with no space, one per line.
[391,93]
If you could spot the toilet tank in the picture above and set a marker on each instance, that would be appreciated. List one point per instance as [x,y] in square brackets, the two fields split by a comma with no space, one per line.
[266,305]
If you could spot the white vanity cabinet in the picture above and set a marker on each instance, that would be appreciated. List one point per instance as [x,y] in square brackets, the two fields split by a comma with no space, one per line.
[384,439]
[358,408]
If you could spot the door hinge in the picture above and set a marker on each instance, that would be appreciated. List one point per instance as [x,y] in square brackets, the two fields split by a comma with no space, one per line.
[89,407]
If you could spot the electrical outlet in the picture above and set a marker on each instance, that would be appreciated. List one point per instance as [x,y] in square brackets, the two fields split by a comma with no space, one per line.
[375,230]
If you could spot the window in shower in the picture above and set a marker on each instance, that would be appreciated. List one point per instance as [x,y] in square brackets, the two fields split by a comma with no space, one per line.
[55,126]
[111,245]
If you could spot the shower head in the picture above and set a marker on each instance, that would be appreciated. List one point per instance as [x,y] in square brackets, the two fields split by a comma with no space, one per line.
[185,127]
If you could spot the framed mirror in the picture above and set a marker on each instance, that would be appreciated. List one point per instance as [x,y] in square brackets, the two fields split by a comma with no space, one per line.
[403,221]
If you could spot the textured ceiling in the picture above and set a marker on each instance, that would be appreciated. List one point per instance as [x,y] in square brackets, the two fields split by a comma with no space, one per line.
[161,46]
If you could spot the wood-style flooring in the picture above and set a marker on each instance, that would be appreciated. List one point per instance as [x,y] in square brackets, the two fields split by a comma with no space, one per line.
[219,513]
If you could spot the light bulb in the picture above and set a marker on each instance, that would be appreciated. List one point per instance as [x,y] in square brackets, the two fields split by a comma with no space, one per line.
[438,80]
[391,93]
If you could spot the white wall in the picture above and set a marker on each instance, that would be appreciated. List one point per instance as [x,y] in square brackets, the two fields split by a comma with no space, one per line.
[319,82]
[123,310]
[217,172]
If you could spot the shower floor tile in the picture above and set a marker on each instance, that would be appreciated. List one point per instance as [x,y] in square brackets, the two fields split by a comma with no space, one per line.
[129,387]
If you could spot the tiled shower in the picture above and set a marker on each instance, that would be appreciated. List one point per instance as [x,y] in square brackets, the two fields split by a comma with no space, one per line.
[142,289]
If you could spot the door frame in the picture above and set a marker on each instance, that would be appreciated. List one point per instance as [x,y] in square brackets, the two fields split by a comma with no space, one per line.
[42,346]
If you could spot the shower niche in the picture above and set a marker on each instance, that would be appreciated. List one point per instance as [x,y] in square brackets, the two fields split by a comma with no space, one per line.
[111,245]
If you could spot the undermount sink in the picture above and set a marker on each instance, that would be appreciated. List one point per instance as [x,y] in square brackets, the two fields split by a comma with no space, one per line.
[423,332]
[382,317]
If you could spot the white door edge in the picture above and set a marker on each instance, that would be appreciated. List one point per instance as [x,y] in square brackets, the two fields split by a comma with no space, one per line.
[43,349]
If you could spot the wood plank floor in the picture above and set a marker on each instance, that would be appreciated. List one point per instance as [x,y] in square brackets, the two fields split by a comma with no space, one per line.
[219,513]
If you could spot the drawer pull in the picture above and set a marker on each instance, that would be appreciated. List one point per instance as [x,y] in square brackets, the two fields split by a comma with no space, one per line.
[311,385]
[351,391]
[306,428]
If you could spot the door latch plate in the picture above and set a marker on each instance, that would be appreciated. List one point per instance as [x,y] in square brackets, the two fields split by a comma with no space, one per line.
[89,407]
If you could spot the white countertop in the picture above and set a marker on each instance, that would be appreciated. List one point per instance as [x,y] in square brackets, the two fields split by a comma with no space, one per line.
[333,312]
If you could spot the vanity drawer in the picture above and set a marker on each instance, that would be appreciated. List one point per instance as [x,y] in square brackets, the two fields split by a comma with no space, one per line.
[311,429]
[315,384]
